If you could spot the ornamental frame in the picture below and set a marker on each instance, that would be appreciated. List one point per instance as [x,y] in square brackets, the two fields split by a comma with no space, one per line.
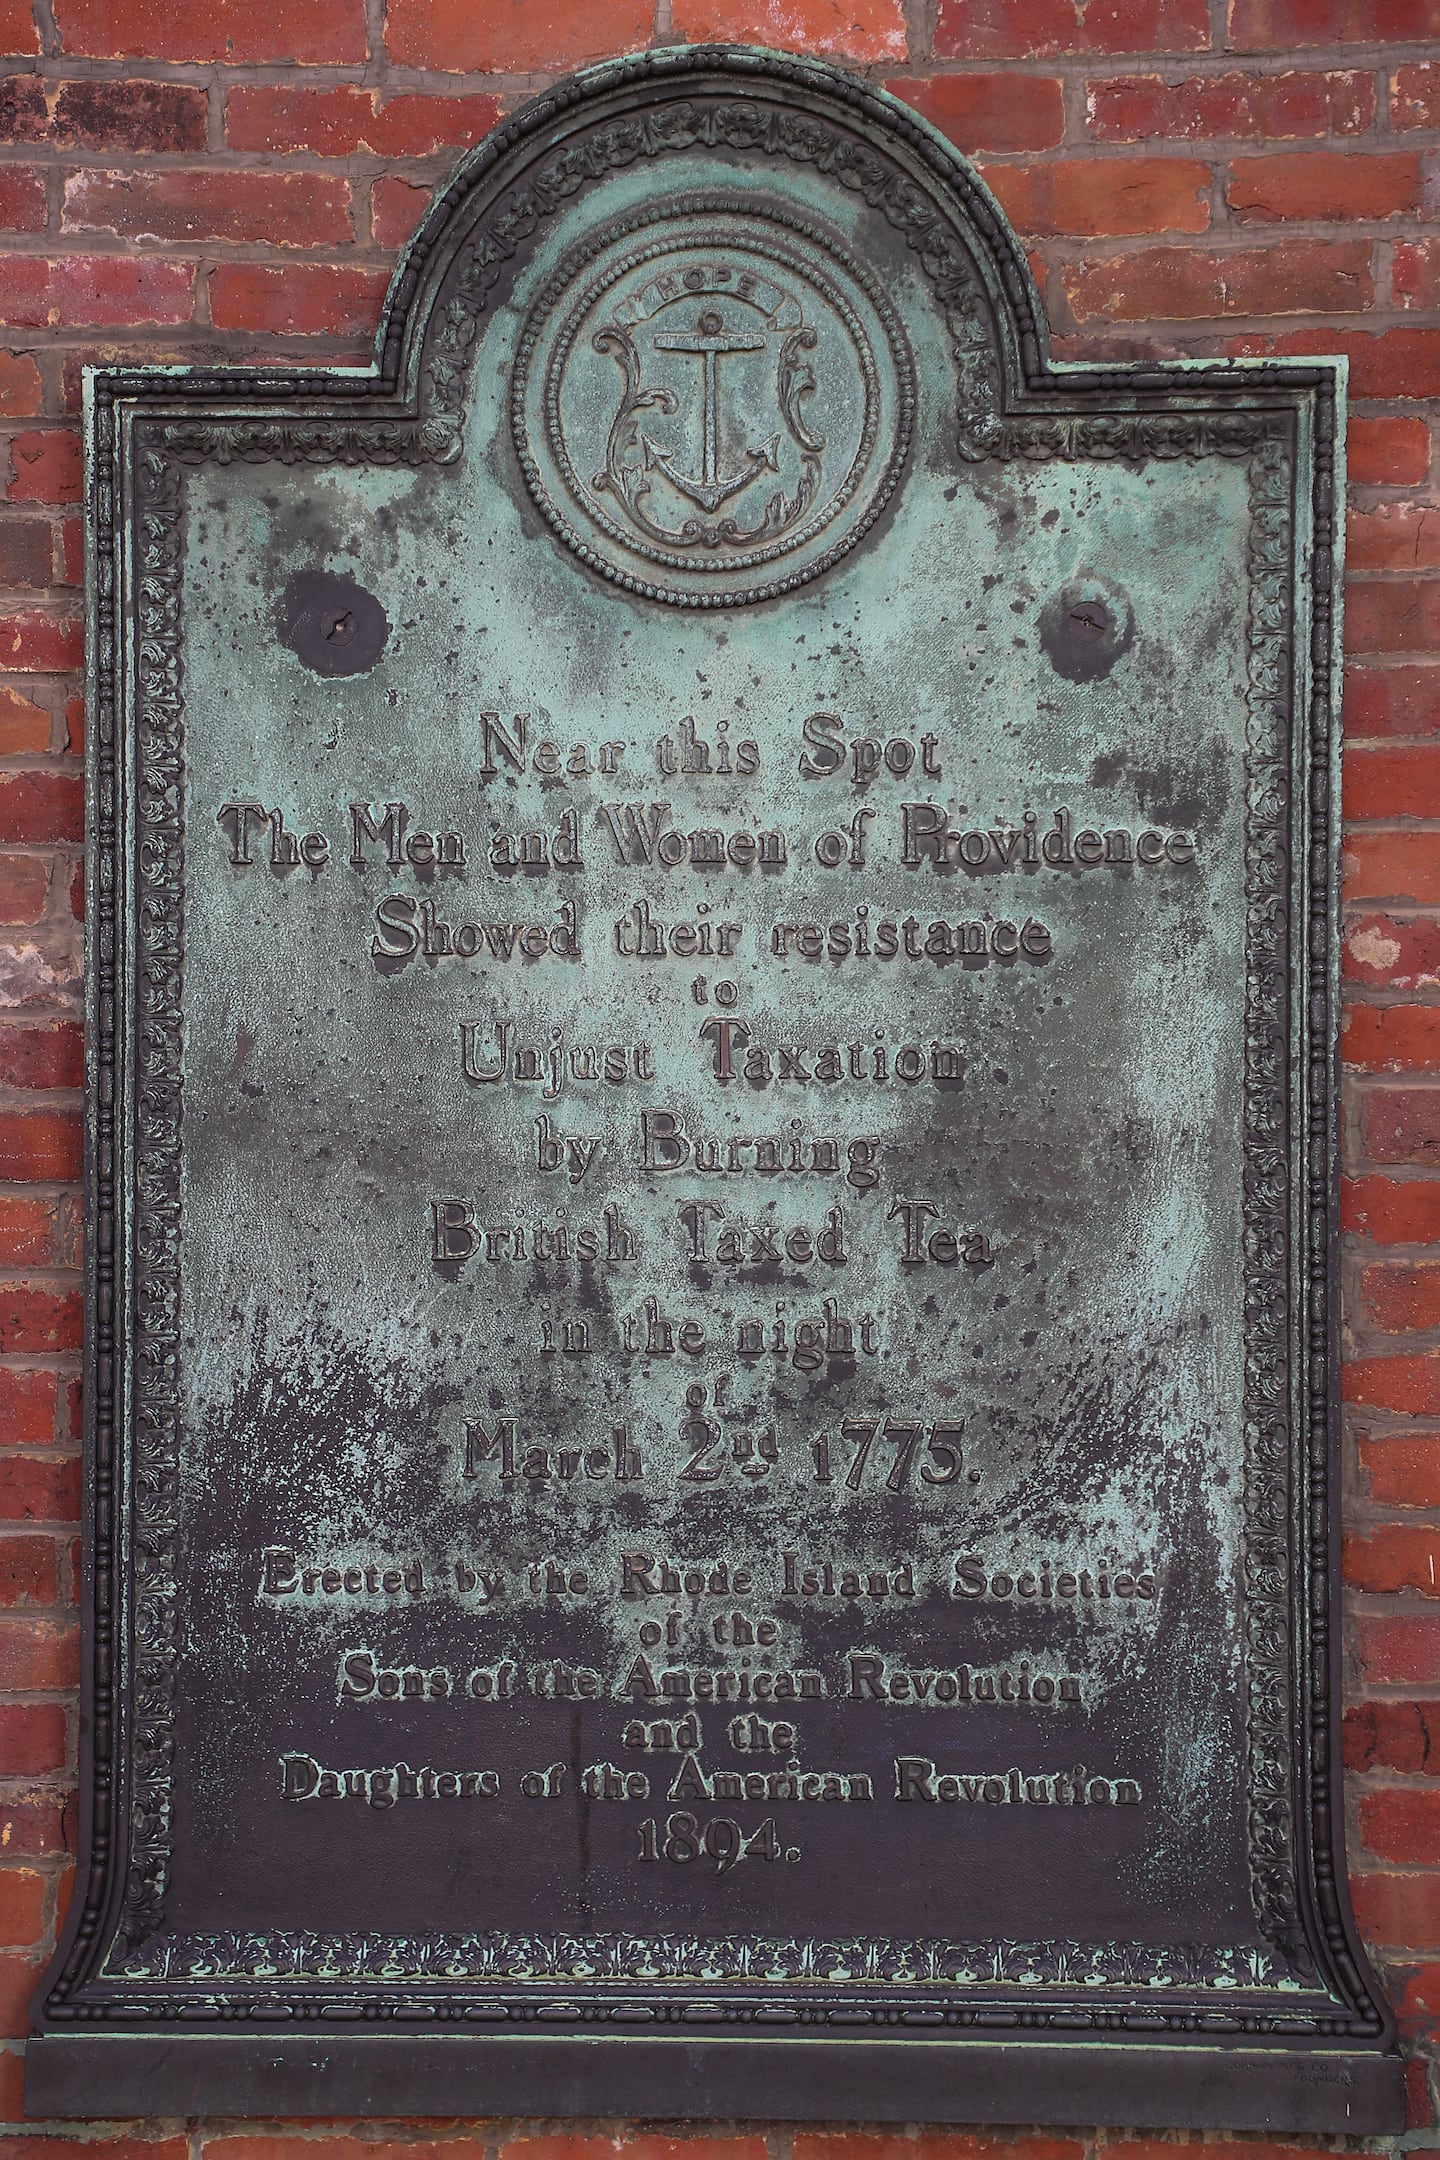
[118,1972]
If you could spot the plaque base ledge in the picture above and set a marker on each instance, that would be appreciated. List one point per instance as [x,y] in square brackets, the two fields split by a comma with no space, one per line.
[1182,2086]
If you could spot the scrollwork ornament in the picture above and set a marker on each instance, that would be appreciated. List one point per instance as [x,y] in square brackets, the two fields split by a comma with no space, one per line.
[516,1975]
[159,938]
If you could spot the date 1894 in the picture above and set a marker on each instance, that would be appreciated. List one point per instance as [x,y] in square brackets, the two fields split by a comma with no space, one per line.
[721,1839]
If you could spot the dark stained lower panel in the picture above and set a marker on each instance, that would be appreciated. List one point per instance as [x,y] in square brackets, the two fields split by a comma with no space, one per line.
[1187,2088]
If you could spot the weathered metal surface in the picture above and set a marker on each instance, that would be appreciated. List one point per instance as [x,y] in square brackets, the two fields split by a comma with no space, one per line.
[712,1172]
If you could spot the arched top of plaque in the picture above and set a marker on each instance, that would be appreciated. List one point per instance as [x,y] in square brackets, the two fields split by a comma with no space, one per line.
[738,299]
[713,395]
[706,250]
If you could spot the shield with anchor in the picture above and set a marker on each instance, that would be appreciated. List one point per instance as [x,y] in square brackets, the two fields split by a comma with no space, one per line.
[715,391]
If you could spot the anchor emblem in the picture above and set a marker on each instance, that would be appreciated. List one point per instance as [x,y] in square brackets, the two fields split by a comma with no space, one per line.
[708,340]
[710,401]
[633,459]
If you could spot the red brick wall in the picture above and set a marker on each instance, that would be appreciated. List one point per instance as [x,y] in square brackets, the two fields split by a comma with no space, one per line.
[229,180]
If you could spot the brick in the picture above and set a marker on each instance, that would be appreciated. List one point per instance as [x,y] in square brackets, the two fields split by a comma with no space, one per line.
[24,881]
[25,563]
[34,1319]
[512,36]
[396,208]
[1296,277]
[1383,364]
[932,2145]
[22,1905]
[27,1407]
[641,2146]
[36,1655]
[1420,2109]
[1404,1383]
[139,116]
[39,1488]
[1398,1298]
[36,807]
[1415,274]
[1403,1651]
[1333,184]
[1392,700]
[991,112]
[846,29]
[20,1973]
[1391,1211]
[337,122]
[1259,24]
[1401,616]
[12,2081]
[1415,96]
[1403,1125]
[39,1823]
[1104,196]
[1391,866]
[1402,1736]
[18,29]
[38,293]
[1234,107]
[1399,1556]
[302,300]
[75,730]
[300,209]
[1417,2005]
[1393,536]
[238,2145]
[1389,953]
[27,1231]
[22,722]
[957,2145]
[41,1144]
[1393,1735]
[29,1573]
[1114,2145]
[852,2145]
[22,199]
[1391,1038]
[1395,781]
[20,388]
[1400,1824]
[24,112]
[1403,1910]
[1388,452]
[29,976]
[1036,29]
[72,550]
[77,892]
[41,644]
[1402,1470]
[32,1738]
[42,1057]
[46,466]
[330,32]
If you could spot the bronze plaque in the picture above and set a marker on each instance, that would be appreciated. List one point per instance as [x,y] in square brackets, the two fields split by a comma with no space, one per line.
[712,1173]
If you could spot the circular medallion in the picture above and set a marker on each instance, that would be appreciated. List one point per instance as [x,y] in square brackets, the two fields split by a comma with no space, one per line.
[712,402]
